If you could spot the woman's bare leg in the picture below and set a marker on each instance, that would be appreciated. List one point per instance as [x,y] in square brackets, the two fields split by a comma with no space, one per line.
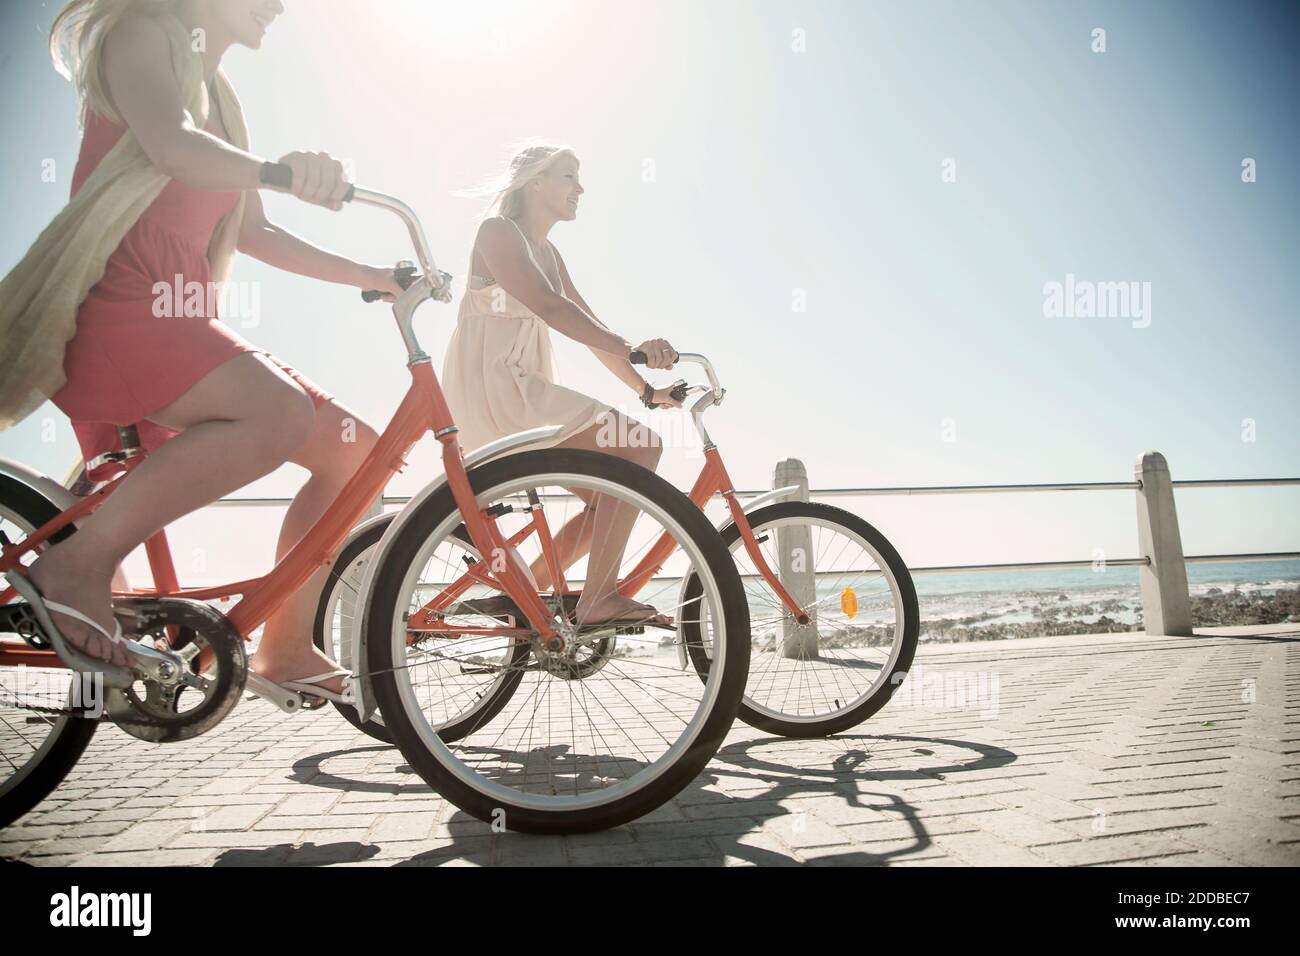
[338,444]
[240,421]
[611,524]
[571,542]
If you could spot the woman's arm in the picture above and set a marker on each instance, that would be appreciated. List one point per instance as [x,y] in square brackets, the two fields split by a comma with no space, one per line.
[623,370]
[504,252]
[139,77]
[506,256]
[276,246]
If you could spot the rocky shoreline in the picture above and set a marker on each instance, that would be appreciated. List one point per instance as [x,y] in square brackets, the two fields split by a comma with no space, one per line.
[1052,617]
[1217,607]
[1052,614]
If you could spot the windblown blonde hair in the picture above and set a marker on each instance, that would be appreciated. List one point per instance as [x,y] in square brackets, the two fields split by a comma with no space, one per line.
[506,190]
[77,44]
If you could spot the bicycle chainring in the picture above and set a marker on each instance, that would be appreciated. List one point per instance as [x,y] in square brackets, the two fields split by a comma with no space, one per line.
[212,678]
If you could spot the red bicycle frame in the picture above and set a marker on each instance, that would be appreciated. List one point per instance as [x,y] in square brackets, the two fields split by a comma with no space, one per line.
[424,408]
[713,478]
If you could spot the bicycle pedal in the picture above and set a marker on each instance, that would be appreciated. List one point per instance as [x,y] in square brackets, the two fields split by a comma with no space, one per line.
[18,618]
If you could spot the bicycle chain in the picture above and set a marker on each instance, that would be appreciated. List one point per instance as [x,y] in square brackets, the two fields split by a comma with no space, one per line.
[56,711]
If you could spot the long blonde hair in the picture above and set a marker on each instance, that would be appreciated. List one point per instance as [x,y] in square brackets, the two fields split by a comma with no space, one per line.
[506,190]
[77,44]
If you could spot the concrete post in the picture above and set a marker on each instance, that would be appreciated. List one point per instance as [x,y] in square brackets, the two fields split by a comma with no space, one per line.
[796,571]
[1166,606]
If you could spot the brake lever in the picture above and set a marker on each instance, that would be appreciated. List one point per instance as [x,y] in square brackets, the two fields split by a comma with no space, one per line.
[406,275]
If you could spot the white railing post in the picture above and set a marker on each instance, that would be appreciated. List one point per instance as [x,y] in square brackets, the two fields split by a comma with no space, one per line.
[1166,606]
[794,549]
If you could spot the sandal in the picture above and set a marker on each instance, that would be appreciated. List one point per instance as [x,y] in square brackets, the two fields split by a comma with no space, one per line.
[113,675]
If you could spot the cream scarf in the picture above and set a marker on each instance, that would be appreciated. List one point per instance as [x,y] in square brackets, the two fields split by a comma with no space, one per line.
[39,299]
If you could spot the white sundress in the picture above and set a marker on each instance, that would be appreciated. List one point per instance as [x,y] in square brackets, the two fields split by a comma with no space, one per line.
[499,372]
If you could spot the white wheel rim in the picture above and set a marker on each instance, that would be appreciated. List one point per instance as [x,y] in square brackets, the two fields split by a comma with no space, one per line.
[764,668]
[505,795]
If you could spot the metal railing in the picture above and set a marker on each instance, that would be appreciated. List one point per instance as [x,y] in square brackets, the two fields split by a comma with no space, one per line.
[908,490]
[1162,565]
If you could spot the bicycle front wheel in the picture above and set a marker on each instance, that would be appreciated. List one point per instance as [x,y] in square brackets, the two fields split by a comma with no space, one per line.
[833,673]
[596,734]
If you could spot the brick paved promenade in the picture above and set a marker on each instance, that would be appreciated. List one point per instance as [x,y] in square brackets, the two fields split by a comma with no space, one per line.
[1055,751]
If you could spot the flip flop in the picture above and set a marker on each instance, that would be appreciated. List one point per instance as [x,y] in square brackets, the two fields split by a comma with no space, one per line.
[113,675]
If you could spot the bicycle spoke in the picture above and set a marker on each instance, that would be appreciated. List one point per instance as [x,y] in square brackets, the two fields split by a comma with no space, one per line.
[594,714]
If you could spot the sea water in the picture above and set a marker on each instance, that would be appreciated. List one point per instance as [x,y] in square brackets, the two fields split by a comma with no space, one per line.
[1077,595]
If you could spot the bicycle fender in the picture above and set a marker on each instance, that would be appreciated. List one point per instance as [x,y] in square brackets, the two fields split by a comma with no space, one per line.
[40,483]
[540,437]
[776,494]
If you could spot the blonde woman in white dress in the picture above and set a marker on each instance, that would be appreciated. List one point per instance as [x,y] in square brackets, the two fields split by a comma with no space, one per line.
[498,375]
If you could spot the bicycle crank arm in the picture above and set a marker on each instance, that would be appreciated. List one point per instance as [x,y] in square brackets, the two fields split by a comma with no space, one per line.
[288,701]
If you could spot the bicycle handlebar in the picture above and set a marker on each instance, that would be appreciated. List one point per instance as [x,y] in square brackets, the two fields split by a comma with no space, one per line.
[637,357]
[280,176]
[404,273]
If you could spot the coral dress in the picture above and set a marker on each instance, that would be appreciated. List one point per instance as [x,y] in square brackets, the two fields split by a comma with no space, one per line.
[499,372]
[125,362]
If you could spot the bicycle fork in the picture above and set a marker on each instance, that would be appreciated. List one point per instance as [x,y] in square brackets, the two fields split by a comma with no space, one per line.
[712,478]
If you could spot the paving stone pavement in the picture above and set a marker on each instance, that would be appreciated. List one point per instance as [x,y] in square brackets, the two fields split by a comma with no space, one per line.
[1103,749]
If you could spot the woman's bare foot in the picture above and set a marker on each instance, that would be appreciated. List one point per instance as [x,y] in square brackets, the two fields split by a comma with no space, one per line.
[296,663]
[69,579]
[612,607]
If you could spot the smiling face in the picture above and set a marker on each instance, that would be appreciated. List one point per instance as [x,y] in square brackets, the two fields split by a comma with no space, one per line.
[247,20]
[555,192]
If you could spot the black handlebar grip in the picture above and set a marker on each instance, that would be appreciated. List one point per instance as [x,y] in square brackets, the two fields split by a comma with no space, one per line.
[276,174]
[280,176]
[406,275]
[637,357]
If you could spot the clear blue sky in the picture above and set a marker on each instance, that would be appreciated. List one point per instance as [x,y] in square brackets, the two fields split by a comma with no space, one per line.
[778,170]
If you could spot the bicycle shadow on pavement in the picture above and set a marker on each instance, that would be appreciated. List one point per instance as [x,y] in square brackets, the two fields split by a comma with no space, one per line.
[728,813]
[860,760]
[303,854]
[749,792]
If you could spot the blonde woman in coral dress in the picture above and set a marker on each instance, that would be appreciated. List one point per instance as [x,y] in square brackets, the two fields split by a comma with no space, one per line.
[214,411]
[499,377]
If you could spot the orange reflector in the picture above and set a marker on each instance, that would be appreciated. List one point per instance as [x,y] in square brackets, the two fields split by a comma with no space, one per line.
[849,602]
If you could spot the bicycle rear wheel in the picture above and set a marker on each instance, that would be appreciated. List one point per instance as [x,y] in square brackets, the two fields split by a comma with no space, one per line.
[595,735]
[834,673]
[333,630]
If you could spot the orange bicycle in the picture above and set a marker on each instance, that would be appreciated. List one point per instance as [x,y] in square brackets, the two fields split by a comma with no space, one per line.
[832,608]
[543,752]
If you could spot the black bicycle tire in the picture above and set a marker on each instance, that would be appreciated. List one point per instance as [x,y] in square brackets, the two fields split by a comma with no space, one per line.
[839,721]
[450,733]
[433,513]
